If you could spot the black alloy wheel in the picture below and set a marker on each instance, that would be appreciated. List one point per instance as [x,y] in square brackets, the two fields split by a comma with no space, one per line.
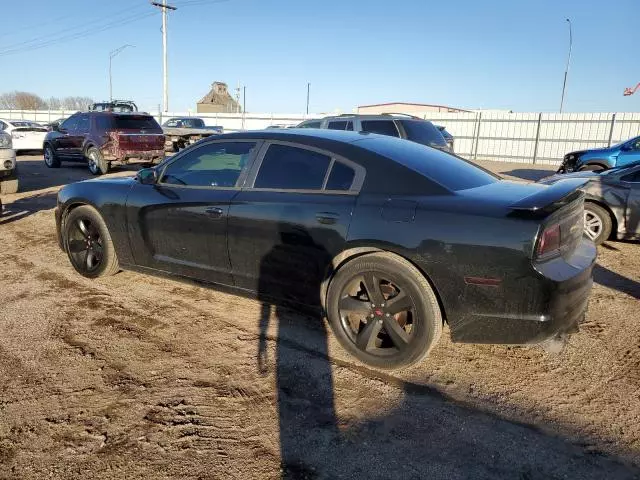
[384,311]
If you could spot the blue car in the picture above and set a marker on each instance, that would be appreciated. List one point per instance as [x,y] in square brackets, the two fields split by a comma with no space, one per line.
[619,155]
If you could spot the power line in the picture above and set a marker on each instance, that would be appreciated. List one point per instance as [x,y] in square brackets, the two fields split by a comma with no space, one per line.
[75,36]
[120,15]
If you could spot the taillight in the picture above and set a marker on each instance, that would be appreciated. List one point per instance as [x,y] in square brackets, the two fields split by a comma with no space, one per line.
[549,242]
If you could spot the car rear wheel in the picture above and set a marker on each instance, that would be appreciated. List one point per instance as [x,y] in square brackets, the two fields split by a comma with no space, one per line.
[383,311]
[597,223]
[51,160]
[88,243]
[97,164]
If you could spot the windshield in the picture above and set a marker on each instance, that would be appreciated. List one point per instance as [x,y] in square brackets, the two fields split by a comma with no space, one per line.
[620,169]
[618,145]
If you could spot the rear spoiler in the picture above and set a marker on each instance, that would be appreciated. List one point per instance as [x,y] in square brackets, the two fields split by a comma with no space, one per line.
[551,198]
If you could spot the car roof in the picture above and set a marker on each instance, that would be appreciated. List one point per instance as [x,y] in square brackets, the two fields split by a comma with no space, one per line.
[300,135]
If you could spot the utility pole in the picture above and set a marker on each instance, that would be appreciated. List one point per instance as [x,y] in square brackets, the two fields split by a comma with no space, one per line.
[308,87]
[165,86]
[112,54]
[566,70]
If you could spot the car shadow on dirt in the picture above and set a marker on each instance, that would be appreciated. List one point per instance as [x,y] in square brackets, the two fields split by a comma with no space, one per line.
[25,206]
[34,175]
[611,279]
[427,434]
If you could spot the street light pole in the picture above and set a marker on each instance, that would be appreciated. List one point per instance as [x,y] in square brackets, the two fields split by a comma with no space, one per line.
[566,70]
[112,54]
[308,86]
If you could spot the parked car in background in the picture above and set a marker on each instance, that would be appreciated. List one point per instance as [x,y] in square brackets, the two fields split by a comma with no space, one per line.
[104,138]
[612,202]
[447,137]
[395,125]
[120,106]
[180,132]
[8,165]
[391,238]
[25,134]
[624,153]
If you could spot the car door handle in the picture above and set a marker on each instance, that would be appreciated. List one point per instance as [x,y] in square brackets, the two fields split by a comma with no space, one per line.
[215,212]
[327,218]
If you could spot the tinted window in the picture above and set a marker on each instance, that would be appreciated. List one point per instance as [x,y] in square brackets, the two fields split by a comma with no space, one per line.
[337,125]
[70,123]
[635,144]
[383,127]
[292,168]
[423,132]
[450,171]
[341,177]
[196,122]
[83,124]
[135,122]
[212,165]
[350,125]
[310,124]
[103,122]
[632,177]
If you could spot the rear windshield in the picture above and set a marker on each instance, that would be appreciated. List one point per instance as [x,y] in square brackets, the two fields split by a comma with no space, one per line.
[450,171]
[135,122]
[423,132]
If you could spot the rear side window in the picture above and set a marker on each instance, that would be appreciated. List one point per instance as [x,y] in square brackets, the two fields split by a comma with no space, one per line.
[83,124]
[423,132]
[349,125]
[292,168]
[383,127]
[135,122]
[341,177]
[450,171]
[103,122]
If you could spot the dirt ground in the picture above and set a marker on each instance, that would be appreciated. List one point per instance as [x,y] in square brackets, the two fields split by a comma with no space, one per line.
[140,377]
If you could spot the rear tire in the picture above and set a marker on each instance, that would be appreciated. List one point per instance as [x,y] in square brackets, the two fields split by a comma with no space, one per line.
[88,243]
[597,223]
[383,311]
[51,160]
[96,162]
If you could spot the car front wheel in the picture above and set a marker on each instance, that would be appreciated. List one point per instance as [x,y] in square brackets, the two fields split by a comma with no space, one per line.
[597,223]
[383,311]
[88,243]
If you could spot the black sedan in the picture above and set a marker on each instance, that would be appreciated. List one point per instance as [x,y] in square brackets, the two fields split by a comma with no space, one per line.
[612,203]
[390,238]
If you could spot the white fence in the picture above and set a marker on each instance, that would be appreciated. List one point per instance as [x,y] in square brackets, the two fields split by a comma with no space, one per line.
[514,137]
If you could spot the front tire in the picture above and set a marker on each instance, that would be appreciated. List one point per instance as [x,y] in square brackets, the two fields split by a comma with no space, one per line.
[96,162]
[88,243]
[597,223]
[383,311]
[51,160]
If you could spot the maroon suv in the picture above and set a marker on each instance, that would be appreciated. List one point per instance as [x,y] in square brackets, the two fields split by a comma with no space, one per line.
[102,138]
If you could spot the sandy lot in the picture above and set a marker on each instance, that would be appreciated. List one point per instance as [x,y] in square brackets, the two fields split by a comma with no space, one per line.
[141,377]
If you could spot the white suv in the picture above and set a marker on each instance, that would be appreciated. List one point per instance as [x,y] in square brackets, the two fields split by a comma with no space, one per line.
[8,166]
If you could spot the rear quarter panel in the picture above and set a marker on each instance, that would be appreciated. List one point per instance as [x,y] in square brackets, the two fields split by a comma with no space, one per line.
[448,240]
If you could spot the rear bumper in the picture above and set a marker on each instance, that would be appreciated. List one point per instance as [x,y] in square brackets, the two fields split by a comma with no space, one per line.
[553,303]
[128,156]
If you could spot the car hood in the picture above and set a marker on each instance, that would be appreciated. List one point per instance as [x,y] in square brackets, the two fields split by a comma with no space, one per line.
[111,180]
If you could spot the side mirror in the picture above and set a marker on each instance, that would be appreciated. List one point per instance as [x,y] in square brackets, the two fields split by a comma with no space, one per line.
[147,176]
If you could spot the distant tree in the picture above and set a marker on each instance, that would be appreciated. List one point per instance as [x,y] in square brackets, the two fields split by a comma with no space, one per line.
[29,101]
[54,103]
[8,100]
[76,103]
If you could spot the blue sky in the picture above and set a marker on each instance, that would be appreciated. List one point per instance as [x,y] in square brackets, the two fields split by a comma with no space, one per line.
[503,54]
